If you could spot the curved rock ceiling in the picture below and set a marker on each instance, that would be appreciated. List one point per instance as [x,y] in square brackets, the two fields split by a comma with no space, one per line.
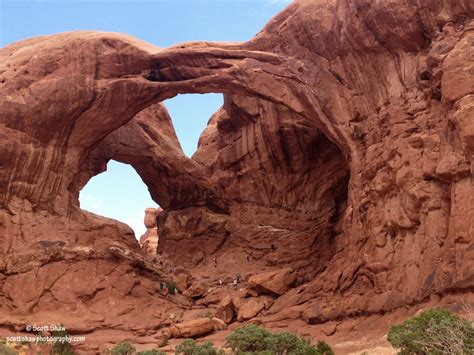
[343,149]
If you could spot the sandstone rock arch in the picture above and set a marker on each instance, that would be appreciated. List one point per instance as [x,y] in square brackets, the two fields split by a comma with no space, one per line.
[388,107]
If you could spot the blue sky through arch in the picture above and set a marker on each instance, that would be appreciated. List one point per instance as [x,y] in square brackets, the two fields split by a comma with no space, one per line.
[118,193]
[163,23]
[190,114]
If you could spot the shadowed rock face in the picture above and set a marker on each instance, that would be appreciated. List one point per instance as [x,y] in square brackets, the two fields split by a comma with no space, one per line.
[343,150]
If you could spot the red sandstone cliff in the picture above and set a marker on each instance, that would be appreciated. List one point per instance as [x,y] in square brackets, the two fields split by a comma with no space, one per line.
[343,150]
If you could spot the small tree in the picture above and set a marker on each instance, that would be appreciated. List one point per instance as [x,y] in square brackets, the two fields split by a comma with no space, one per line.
[250,338]
[190,347]
[324,348]
[253,339]
[122,348]
[5,350]
[433,332]
[61,346]
[151,352]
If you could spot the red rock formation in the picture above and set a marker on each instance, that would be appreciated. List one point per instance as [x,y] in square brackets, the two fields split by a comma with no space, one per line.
[149,241]
[343,150]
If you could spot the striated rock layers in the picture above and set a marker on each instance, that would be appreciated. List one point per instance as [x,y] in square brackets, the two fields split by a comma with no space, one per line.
[344,151]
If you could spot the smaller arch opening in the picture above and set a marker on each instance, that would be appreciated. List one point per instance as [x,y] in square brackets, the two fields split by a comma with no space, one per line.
[118,193]
[190,114]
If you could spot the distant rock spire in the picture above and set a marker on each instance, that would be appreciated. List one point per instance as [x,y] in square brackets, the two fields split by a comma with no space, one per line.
[149,240]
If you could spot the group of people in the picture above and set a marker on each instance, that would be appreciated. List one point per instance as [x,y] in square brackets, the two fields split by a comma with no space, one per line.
[165,289]
[236,280]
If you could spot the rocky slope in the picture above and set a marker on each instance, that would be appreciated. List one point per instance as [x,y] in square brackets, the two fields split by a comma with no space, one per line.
[343,151]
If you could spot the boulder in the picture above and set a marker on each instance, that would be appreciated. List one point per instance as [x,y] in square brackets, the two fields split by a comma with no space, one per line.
[191,329]
[196,328]
[275,282]
[182,280]
[196,290]
[249,308]
[218,323]
[346,154]
[226,310]
[244,293]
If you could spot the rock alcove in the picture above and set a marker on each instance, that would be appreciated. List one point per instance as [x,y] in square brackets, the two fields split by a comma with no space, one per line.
[331,142]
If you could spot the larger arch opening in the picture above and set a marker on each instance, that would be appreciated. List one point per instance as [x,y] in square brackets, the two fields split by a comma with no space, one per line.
[287,184]
[190,114]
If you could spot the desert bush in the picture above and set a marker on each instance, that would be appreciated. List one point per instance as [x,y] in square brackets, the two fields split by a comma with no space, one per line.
[151,352]
[59,348]
[190,347]
[324,348]
[5,350]
[433,332]
[164,341]
[250,338]
[253,339]
[123,348]
[171,286]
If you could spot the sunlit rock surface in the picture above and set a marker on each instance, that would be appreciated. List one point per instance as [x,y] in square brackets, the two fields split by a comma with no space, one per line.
[343,151]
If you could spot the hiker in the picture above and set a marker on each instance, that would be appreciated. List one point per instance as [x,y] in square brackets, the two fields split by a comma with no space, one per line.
[235,281]
[215,261]
[220,281]
[237,278]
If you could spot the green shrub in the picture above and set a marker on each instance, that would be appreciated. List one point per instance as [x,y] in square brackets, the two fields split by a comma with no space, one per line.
[63,348]
[151,352]
[250,338]
[171,286]
[324,348]
[253,339]
[190,347]
[5,350]
[433,332]
[123,348]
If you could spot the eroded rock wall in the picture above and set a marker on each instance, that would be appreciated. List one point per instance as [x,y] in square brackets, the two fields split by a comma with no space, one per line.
[344,150]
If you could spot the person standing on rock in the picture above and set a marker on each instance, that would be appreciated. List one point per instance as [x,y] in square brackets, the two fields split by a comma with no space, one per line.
[215,261]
